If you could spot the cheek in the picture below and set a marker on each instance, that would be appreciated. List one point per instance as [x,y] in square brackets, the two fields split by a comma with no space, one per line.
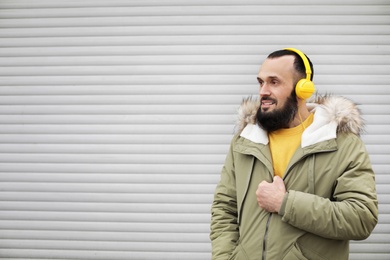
[280,101]
[282,97]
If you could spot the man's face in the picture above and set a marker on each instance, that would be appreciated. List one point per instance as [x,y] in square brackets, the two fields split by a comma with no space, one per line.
[278,102]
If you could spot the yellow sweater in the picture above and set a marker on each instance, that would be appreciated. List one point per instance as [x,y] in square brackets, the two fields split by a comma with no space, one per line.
[283,144]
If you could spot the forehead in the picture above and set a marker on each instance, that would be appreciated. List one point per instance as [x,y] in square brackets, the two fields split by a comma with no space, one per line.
[281,67]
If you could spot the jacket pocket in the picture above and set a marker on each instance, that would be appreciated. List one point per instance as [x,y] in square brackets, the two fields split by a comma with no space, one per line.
[239,254]
[294,254]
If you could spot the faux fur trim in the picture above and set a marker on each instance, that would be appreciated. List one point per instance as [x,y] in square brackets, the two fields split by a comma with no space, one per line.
[247,113]
[339,109]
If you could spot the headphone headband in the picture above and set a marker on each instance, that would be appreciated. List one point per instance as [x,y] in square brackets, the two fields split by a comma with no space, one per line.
[304,87]
[305,61]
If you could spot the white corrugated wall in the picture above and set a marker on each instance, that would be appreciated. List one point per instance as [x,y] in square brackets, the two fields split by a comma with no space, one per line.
[115,116]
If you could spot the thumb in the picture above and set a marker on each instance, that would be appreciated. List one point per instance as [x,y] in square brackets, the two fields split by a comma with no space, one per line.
[279,183]
[277,179]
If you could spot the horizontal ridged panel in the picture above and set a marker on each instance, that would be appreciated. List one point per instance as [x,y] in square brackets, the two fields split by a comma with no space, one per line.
[102,3]
[198,10]
[37,254]
[187,70]
[116,116]
[196,30]
[191,79]
[152,41]
[144,60]
[352,19]
[95,46]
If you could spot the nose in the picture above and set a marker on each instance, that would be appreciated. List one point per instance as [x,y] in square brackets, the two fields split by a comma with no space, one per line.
[264,90]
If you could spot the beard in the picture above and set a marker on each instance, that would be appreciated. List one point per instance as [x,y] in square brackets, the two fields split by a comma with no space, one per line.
[278,118]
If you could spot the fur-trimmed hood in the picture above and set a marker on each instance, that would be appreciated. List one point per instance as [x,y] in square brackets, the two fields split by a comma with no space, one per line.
[332,115]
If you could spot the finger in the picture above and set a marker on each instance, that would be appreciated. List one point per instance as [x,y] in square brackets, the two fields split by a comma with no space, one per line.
[279,183]
[277,179]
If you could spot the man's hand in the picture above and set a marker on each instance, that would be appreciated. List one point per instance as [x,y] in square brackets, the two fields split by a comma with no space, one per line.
[270,195]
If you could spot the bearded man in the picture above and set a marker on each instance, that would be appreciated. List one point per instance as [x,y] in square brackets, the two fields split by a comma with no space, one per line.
[297,182]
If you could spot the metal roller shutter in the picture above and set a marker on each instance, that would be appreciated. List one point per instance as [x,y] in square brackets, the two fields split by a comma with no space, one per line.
[115,116]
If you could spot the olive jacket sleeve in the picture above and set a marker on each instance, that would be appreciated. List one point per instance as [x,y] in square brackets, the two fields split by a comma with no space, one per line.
[224,221]
[352,211]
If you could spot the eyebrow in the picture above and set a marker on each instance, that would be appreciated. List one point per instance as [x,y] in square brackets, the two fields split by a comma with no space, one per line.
[270,77]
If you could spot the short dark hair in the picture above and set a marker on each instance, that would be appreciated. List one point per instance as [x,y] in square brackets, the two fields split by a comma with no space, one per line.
[298,62]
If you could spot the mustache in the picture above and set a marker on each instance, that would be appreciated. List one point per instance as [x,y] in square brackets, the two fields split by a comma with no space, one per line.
[267,98]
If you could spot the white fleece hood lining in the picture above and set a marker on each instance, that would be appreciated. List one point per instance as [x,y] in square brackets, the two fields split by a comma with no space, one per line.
[320,130]
[326,122]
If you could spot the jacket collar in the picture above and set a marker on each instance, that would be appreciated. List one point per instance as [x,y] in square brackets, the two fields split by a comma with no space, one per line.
[332,115]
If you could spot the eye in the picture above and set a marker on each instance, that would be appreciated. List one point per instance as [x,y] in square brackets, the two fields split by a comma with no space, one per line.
[260,82]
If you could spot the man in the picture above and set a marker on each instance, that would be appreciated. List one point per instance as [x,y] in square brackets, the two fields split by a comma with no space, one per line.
[297,182]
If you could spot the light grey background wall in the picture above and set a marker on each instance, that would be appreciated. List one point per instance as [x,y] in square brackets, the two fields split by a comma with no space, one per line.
[115,116]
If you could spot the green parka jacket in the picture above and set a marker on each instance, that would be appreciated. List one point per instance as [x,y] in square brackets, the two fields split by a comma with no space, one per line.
[330,199]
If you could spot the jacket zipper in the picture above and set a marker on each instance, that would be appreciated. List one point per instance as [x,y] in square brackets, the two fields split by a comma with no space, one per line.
[270,214]
[265,237]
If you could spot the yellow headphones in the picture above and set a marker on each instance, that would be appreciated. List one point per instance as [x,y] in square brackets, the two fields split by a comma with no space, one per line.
[305,87]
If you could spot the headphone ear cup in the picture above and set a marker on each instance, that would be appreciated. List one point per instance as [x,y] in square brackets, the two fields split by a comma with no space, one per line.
[304,88]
